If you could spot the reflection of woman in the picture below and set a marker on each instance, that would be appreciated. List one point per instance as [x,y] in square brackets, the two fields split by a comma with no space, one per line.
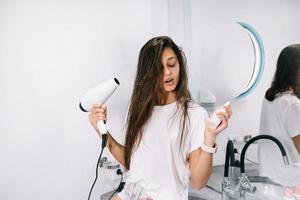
[280,117]
[165,129]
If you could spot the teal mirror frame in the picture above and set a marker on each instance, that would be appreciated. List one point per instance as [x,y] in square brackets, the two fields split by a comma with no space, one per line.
[259,62]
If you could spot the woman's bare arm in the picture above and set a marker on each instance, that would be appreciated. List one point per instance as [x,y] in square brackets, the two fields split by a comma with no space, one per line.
[116,149]
[201,161]
[99,112]
[200,168]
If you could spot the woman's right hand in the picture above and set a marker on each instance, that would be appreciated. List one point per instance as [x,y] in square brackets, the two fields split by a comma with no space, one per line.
[98,112]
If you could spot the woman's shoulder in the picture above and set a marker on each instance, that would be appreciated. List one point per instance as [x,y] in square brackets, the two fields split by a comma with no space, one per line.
[288,99]
[283,103]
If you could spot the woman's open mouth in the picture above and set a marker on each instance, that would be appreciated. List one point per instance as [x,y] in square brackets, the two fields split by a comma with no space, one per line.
[169,81]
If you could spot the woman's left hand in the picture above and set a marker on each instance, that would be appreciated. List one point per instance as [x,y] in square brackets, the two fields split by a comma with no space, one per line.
[223,113]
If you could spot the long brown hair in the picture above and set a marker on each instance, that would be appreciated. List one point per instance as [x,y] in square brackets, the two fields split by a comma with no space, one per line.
[148,92]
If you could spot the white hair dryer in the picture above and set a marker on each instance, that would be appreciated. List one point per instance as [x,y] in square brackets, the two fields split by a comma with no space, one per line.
[99,94]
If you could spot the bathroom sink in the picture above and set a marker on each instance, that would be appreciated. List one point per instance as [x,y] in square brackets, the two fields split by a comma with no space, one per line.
[205,193]
[266,191]
[265,188]
[213,190]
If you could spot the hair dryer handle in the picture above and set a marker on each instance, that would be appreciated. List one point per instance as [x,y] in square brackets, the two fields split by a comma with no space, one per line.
[102,127]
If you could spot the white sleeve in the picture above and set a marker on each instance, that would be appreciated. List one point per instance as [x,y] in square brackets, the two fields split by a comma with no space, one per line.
[292,117]
[197,128]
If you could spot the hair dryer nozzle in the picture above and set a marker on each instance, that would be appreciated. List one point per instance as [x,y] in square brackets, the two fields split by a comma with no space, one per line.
[81,108]
[98,94]
[117,81]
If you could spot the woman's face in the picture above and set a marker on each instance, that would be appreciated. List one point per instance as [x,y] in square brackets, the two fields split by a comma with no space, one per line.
[171,70]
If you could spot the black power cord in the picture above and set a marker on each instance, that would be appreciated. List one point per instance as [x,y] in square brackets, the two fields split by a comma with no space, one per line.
[103,145]
[121,185]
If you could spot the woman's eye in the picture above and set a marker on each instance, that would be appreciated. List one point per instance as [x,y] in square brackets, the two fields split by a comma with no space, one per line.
[172,64]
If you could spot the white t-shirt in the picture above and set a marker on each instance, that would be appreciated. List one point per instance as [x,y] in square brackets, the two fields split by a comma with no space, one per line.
[281,119]
[158,169]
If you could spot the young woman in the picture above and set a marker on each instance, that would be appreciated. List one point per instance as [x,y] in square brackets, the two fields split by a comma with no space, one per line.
[280,117]
[167,140]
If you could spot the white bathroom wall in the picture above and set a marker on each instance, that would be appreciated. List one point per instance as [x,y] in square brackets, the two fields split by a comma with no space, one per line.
[276,21]
[51,52]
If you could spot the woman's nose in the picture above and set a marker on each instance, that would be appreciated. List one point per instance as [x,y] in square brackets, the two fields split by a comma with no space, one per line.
[167,71]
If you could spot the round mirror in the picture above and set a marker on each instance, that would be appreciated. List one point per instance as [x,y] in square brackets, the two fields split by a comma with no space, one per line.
[232,61]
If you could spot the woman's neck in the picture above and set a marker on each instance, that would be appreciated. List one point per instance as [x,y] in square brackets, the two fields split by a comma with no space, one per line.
[170,97]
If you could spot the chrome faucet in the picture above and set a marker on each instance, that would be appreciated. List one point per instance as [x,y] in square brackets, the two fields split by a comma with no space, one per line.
[229,181]
[238,191]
